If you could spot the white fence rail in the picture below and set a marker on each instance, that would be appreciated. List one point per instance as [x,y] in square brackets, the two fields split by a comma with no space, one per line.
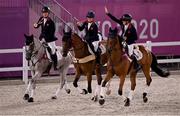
[25,67]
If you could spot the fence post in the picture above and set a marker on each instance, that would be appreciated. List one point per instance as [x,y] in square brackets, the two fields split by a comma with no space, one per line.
[25,67]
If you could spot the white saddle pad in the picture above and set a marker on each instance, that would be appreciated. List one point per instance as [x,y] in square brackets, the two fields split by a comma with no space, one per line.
[138,53]
[96,45]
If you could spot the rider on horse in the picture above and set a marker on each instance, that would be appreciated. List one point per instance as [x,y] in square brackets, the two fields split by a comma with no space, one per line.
[91,30]
[47,33]
[129,35]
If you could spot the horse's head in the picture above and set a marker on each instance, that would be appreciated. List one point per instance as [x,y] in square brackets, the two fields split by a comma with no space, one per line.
[112,39]
[29,44]
[66,40]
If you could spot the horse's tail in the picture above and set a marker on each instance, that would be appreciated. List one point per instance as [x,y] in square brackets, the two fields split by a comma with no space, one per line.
[157,69]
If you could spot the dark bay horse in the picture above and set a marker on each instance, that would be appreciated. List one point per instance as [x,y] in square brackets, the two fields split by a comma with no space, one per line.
[84,62]
[120,64]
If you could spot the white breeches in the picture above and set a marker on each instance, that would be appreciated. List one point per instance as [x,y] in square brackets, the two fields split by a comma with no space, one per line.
[130,49]
[53,47]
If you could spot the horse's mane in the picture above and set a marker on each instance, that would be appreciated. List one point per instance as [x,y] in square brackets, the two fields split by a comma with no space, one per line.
[81,39]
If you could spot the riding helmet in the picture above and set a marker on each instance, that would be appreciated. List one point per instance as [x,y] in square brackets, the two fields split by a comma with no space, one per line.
[45,9]
[90,14]
[126,17]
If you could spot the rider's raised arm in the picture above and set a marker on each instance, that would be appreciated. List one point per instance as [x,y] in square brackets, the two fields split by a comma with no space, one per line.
[119,21]
[39,23]
[81,27]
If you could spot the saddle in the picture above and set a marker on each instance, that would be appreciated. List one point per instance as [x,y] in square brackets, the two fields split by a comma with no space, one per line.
[97,45]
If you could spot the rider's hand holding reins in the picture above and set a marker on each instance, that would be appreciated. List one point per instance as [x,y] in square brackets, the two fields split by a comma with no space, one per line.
[35,25]
[79,23]
[43,41]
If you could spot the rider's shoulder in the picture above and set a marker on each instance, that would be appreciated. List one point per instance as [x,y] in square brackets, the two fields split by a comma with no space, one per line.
[95,23]
[131,26]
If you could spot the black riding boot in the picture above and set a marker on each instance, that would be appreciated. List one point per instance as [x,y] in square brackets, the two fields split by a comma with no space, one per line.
[54,58]
[97,54]
[137,67]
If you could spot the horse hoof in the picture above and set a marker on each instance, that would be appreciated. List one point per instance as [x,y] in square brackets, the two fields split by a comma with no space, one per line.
[68,91]
[145,99]
[84,91]
[30,99]
[54,97]
[95,98]
[108,92]
[89,90]
[101,101]
[127,102]
[119,92]
[26,97]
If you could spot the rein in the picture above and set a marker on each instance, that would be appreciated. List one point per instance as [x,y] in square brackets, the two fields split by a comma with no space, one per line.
[34,53]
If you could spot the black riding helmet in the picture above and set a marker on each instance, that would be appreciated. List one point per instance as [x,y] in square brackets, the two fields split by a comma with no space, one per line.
[45,9]
[90,14]
[126,17]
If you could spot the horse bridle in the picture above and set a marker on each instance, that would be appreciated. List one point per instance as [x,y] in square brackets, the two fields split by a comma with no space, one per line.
[34,53]
[111,48]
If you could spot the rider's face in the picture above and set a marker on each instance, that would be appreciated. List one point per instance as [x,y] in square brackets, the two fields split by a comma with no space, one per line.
[45,14]
[125,22]
[90,19]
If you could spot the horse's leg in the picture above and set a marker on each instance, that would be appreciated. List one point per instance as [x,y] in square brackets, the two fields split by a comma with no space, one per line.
[26,95]
[146,70]
[89,81]
[133,85]
[33,85]
[63,73]
[108,91]
[98,86]
[77,77]
[103,88]
[64,84]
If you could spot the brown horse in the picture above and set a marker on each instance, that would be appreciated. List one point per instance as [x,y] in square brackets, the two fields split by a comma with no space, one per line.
[84,62]
[120,64]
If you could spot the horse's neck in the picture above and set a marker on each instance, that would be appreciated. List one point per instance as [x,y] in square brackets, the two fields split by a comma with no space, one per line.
[117,53]
[39,48]
[80,52]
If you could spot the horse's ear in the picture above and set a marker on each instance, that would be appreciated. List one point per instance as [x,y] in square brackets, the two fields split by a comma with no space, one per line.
[25,36]
[110,29]
[32,36]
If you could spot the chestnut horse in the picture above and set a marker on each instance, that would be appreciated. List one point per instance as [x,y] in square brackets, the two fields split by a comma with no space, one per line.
[84,62]
[120,64]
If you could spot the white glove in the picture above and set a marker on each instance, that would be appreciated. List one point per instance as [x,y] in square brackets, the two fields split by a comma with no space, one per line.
[35,25]
[79,23]
[43,41]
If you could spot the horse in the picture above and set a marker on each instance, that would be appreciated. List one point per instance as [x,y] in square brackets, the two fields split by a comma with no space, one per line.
[121,65]
[84,61]
[39,63]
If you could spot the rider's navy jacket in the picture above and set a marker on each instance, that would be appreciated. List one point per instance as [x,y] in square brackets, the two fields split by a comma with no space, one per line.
[47,30]
[91,33]
[130,33]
